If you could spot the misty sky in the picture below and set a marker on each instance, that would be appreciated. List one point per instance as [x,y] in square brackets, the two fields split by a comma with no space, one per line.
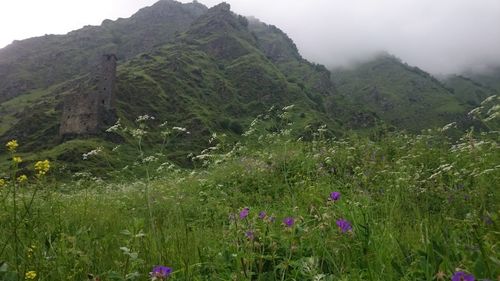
[440,36]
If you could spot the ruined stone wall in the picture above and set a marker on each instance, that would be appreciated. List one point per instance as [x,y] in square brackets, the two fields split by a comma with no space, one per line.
[88,111]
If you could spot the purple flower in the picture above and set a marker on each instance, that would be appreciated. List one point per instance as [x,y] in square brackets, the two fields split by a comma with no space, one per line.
[487,220]
[289,222]
[244,213]
[262,215]
[334,196]
[344,225]
[250,235]
[160,272]
[462,276]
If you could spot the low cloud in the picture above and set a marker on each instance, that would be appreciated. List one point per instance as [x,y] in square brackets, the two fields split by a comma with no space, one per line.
[439,36]
[442,37]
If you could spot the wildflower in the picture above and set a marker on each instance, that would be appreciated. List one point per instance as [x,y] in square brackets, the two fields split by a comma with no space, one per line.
[244,213]
[22,178]
[93,152]
[250,235]
[144,117]
[262,215]
[462,276]
[2,182]
[30,275]
[289,222]
[449,126]
[160,272]
[115,128]
[334,196]
[179,129]
[344,225]
[138,133]
[486,219]
[440,275]
[149,159]
[17,159]
[31,250]
[42,167]
[12,145]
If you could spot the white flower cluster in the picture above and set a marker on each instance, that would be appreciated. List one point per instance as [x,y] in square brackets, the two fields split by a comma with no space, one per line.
[115,128]
[144,117]
[93,152]
[180,129]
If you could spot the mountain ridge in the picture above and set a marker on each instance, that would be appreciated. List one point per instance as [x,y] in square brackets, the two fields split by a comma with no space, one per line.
[41,61]
[221,72]
[215,76]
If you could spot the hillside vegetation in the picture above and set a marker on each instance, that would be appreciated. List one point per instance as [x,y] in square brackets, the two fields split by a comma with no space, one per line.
[272,207]
[211,71]
[234,158]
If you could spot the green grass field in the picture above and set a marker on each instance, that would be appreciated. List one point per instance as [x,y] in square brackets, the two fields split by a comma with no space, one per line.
[411,207]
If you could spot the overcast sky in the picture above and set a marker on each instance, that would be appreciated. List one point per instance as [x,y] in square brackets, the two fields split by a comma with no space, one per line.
[440,36]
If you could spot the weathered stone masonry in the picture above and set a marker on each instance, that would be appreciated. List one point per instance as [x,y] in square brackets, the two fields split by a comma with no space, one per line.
[89,111]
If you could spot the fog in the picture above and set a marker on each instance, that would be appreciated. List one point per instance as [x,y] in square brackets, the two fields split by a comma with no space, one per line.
[439,36]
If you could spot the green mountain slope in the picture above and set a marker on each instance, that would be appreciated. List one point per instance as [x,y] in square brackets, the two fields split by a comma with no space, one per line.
[217,76]
[404,96]
[43,61]
[489,79]
[469,92]
[215,71]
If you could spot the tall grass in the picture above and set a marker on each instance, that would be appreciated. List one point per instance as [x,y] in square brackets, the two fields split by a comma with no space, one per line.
[421,208]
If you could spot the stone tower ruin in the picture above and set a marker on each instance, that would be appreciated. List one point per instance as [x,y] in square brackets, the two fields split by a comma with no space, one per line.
[89,111]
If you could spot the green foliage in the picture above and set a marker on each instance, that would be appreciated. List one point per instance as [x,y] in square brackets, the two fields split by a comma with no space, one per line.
[43,61]
[216,77]
[420,207]
[404,96]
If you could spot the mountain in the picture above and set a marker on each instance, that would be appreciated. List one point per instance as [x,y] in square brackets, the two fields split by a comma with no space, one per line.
[217,75]
[405,97]
[489,78]
[209,71]
[44,61]
[469,92]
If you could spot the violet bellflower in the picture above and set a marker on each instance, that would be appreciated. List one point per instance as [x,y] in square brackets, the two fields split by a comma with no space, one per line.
[289,222]
[262,215]
[244,213]
[334,196]
[462,276]
[344,225]
[160,272]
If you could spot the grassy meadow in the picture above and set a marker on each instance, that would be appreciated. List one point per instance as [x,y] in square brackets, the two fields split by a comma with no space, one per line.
[389,206]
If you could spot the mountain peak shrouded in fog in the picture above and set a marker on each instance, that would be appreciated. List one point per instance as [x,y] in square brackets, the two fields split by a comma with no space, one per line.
[441,37]
[214,68]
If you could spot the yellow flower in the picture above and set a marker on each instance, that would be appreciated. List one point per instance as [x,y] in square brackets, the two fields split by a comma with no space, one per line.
[17,159]
[31,250]
[30,275]
[42,167]
[22,178]
[12,145]
[2,182]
